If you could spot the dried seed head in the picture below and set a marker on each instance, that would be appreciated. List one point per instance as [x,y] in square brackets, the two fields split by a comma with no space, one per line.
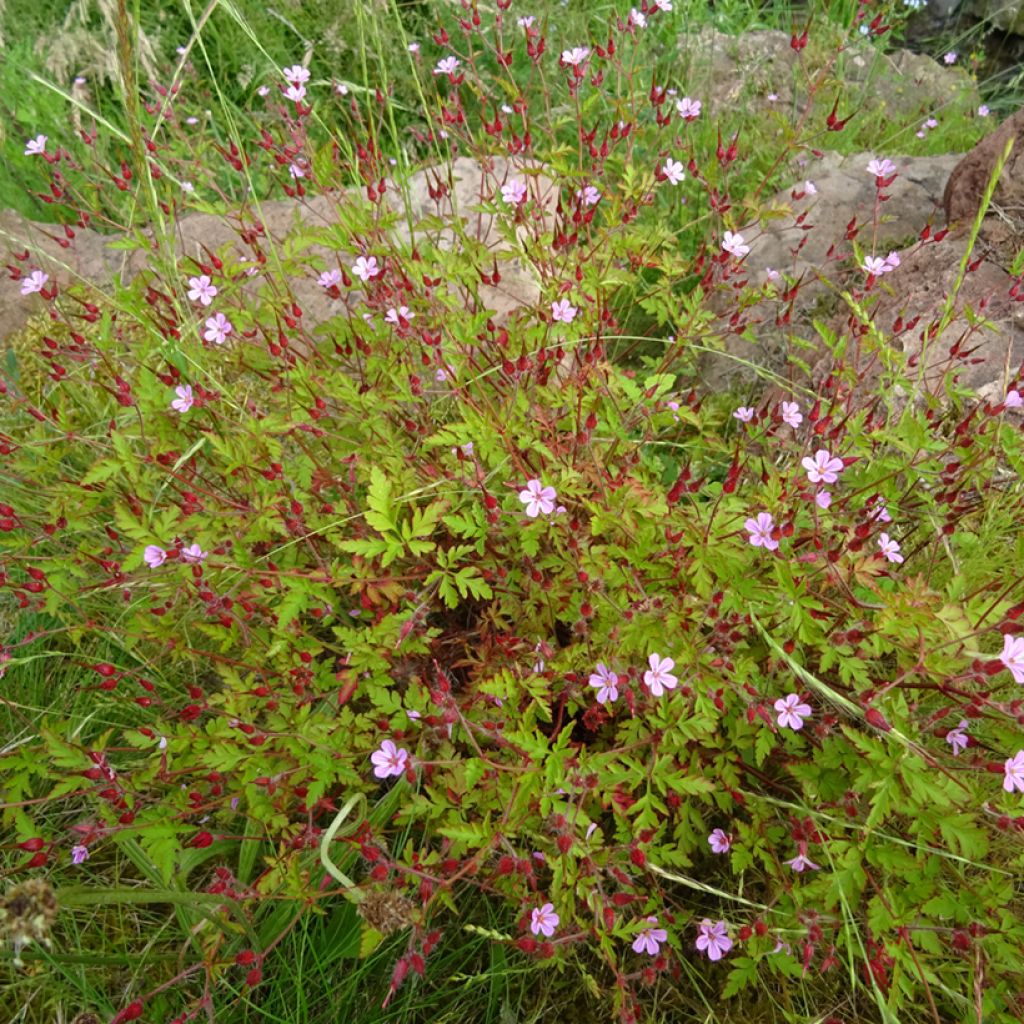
[386,910]
[27,912]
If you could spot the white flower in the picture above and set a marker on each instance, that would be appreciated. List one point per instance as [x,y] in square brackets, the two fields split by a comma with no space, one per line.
[447,66]
[366,267]
[36,146]
[576,56]
[297,74]
[734,245]
[514,191]
[674,173]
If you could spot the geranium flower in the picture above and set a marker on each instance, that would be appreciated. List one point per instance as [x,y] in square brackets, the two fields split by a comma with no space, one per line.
[792,711]
[760,530]
[957,738]
[823,499]
[526,21]
[544,920]
[184,400]
[881,168]
[879,513]
[673,172]
[801,862]
[1013,773]
[810,188]
[296,74]
[218,327]
[983,111]
[366,267]
[950,58]
[658,677]
[79,854]
[295,93]
[744,414]
[663,5]
[36,146]
[649,939]
[538,499]
[824,468]
[298,169]
[1013,656]
[873,266]
[589,195]
[712,939]
[399,317]
[1013,399]
[638,19]
[734,245]
[330,278]
[202,290]
[193,554]
[606,682]
[389,760]
[154,556]
[791,414]
[720,841]
[35,282]
[514,191]
[563,311]
[688,109]
[447,66]
[889,548]
[576,56]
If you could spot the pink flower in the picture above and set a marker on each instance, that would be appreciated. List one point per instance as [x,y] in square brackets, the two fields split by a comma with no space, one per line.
[744,414]
[576,56]
[957,738]
[824,468]
[1013,399]
[36,146]
[881,168]
[760,530]
[298,169]
[35,282]
[366,267]
[810,188]
[673,172]
[734,245]
[772,275]
[983,111]
[297,74]
[950,58]
[791,414]
[184,400]
[712,939]
[1013,656]
[544,920]
[658,677]
[638,19]
[649,939]
[892,261]
[447,66]
[563,311]
[526,21]
[589,195]
[79,854]
[688,109]
[792,711]
[295,93]
[889,548]
[399,317]
[154,556]
[606,682]
[823,499]
[201,289]
[879,513]
[389,760]
[720,841]
[1013,773]
[663,5]
[330,278]
[218,327]
[801,862]
[193,554]
[873,265]
[514,192]
[537,499]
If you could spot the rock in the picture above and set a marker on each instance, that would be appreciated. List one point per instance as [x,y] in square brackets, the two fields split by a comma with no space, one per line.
[845,190]
[1002,230]
[92,258]
[1007,15]
[729,72]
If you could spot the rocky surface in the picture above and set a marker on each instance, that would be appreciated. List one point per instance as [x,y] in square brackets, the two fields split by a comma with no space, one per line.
[94,259]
